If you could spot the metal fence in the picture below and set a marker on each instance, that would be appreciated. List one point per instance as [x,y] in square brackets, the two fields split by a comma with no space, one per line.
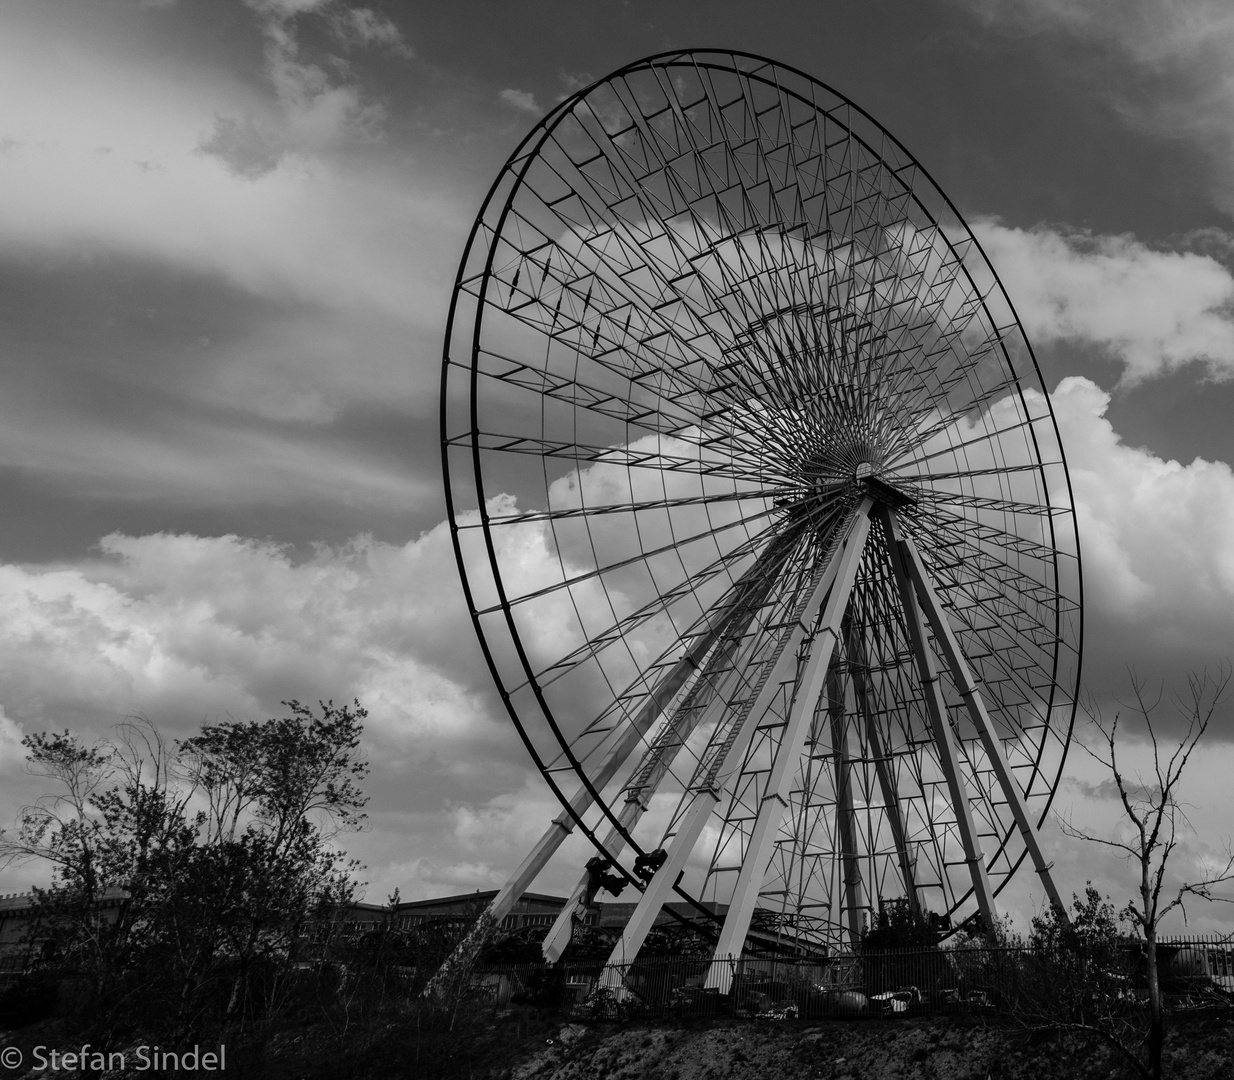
[1029,983]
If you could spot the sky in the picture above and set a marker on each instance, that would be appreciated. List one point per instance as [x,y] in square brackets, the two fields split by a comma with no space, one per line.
[228,235]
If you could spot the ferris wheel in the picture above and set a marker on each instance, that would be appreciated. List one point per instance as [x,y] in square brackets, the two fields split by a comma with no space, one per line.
[761,511]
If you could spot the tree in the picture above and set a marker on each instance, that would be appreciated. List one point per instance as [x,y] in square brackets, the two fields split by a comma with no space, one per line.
[178,871]
[1151,803]
[1092,929]
[1076,975]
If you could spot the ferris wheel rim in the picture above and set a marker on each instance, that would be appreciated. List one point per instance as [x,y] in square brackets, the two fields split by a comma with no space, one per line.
[526,152]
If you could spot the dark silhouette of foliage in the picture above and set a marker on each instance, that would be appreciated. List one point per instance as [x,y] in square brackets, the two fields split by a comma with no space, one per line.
[186,877]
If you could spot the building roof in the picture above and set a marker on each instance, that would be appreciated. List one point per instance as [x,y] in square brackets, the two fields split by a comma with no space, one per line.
[484,897]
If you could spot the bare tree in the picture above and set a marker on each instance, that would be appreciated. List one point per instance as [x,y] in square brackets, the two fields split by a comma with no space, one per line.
[1152,804]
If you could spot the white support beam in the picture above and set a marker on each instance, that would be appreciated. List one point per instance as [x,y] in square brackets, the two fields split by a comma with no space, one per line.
[705,798]
[849,867]
[760,846]
[944,737]
[886,780]
[960,672]
[748,596]
[562,825]
[657,762]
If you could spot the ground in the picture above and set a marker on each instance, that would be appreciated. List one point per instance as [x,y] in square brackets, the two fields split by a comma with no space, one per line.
[954,1049]
[528,1044]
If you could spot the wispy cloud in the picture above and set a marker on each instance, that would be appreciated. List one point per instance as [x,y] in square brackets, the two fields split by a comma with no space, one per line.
[318,227]
[363,26]
[1184,51]
[521,100]
[244,146]
[205,463]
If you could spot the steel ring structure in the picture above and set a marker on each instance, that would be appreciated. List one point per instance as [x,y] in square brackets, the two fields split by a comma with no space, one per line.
[761,511]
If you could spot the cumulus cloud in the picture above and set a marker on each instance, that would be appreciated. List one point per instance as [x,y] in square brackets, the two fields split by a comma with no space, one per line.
[1184,50]
[181,627]
[178,627]
[234,625]
[1154,534]
[522,100]
[1154,311]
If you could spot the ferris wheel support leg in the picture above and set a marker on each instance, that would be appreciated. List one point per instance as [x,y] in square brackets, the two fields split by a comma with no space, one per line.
[563,824]
[844,807]
[944,737]
[882,768]
[747,595]
[558,938]
[771,808]
[707,797]
[683,723]
[946,637]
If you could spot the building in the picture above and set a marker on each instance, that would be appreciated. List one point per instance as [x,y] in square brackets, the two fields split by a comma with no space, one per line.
[456,913]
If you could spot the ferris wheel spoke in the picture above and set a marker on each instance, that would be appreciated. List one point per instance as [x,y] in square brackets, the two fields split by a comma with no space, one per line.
[988,435]
[627,456]
[1034,694]
[981,536]
[568,513]
[968,474]
[705,536]
[776,552]
[982,502]
[652,414]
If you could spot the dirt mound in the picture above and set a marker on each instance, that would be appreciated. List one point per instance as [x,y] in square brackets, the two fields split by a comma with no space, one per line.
[920,1049]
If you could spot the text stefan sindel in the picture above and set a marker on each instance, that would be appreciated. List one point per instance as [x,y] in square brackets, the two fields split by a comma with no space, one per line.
[139,1059]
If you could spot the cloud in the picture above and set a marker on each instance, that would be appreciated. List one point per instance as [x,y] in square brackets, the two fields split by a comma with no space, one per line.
[317,112]
[203,463]
[224,256]
[243,146]
[1087,798]
[287,9]
[104,155]
[12,753]
[1155,539]
[363,26]
[181,627]
[1183,51]
[521,100]
[279,286]
[1153,311]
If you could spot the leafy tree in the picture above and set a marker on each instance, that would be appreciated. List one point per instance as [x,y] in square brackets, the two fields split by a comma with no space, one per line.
[1077,974]
[899,926]
[185,876]
[900,949]
[1092,928]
